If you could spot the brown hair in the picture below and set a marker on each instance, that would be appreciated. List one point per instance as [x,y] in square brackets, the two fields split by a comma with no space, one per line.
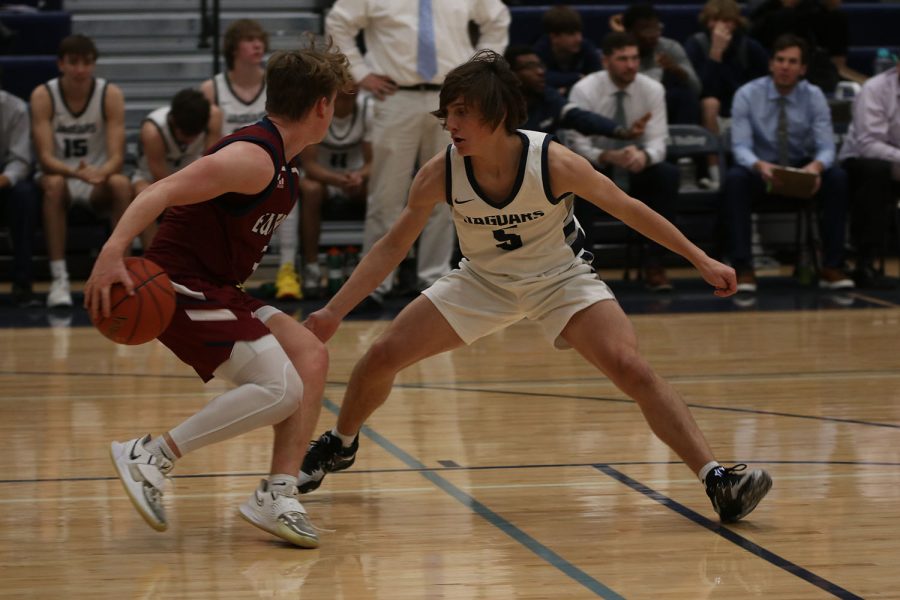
[561,19]
[722,10]
[486,81]
[190,111]
[297,79]
[616,40]
[789,40]
[77,45]
[242,29]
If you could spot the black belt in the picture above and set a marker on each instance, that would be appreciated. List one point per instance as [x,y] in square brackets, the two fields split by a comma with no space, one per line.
[420,87]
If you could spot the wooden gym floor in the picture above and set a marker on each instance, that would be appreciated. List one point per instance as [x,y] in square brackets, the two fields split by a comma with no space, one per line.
[501,470]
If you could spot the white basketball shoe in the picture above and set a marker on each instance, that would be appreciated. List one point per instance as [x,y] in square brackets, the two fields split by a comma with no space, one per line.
[143,476]
[60,294]
[276,510]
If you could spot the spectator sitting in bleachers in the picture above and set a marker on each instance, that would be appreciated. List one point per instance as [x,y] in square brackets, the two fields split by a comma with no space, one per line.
[783,120]
[639,168]
[664,60]
[549,111]
[17,192]
[174,136]
[824,27]
[567,54]
[78,126]
[240,91]
[871,155]
[725,58]
[336,170]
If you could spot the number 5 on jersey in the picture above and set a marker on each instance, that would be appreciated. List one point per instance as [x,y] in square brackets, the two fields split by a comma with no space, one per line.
[508,241]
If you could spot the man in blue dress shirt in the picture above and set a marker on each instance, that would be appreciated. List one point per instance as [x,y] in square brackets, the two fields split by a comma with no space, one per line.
[783,120]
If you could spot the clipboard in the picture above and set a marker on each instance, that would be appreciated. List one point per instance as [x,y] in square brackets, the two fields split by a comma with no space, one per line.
[793,183]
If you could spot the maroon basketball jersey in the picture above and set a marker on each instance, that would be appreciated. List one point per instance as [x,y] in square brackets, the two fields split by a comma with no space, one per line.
[223,240]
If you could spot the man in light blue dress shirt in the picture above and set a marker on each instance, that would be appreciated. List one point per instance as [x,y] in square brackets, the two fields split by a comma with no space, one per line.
[763,139]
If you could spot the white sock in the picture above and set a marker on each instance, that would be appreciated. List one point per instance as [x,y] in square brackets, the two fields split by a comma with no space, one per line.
[158,447]
[313,270]
[288,234]
[58,269]
[346,440]
[714,172]
[706,469]
[282,482]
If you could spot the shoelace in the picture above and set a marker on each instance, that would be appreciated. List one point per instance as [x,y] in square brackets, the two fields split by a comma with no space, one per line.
[735,469]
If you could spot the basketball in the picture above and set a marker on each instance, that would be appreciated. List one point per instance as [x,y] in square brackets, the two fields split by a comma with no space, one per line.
[142,317]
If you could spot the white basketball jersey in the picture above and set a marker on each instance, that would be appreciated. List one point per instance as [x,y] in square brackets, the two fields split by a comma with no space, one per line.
[342,148]
[178,155]
[530,234]
[235,112]
[79,137]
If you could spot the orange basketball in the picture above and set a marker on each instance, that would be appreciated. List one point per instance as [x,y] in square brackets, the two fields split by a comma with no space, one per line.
[142,317]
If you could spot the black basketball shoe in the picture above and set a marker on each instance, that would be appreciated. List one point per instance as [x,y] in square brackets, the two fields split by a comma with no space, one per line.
[325,455]
[735,493]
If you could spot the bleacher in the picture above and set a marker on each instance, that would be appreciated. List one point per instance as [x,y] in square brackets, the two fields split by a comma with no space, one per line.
[151,53]
[872,25]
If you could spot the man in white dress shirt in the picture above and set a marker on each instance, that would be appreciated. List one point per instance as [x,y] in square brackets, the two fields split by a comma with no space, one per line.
[871,156]
[639,166]
[411,45]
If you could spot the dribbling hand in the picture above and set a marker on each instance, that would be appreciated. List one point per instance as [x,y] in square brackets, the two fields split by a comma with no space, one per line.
[108,270]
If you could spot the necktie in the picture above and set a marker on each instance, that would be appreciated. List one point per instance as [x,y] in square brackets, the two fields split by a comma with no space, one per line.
[782,132]
[620,175]
[426,64]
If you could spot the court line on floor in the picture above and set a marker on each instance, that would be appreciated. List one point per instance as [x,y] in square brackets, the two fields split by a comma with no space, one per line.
[730,535]
[711,378]
[629,463]
[873,300]
[368,491]
[490,516]
[755,411]
[673,378]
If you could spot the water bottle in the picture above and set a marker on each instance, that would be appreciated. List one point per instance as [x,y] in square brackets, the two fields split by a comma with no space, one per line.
[883,61]
[351,259]
[335,263]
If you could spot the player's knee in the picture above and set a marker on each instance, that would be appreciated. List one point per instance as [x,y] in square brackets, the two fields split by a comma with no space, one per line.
[634,373]
[382,356]
[120,187]
[53,187]
[315,360]
[312,190]
[284,391]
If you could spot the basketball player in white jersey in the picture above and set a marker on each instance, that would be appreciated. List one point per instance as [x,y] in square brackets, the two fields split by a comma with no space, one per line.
[338,166]
[511,193]
[78,125]
[174,136]
[240,91]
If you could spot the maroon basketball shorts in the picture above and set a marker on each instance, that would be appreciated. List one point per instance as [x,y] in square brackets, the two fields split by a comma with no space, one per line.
[208,320]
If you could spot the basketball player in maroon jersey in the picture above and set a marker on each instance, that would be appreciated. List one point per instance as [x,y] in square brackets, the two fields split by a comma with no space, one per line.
[220,214]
